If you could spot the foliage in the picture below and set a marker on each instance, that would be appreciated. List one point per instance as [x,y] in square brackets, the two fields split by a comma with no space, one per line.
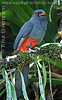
[11,94]
[35,57]
[23,87]
[47,51]
[17,15]
[50,80]
[58,4]
[42,93]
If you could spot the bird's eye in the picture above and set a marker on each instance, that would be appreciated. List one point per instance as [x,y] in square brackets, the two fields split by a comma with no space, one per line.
[35,13]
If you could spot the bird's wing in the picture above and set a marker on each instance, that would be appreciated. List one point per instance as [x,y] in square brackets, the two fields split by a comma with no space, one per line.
[23,33]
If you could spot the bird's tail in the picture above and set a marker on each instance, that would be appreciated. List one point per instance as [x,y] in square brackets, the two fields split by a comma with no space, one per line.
[18,81]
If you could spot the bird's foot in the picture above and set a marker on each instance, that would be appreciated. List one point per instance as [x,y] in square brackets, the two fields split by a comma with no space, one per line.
[30,50]
[38,48]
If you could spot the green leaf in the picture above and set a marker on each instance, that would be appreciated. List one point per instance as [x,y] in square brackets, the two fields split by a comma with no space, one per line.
[23,87]
[52,26]
[8,87]
[13,92]
[47,34]
[1,55]
[58,63]
[12,17]
[26,7]
[2,92]
[6,13]
[20,13]
[41,84]
[40,98]
[50,80]
[3,73]
[54,80]
[14,28]
[44,75]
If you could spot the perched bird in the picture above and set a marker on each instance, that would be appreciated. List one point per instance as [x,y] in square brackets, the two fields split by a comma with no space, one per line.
[29,36]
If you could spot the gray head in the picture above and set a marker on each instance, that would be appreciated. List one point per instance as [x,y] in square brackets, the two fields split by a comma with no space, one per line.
[39,14]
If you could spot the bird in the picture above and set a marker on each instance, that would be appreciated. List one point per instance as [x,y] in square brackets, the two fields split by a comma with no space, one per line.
[29,36]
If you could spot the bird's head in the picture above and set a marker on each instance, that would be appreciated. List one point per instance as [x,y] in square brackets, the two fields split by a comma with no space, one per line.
[39,14]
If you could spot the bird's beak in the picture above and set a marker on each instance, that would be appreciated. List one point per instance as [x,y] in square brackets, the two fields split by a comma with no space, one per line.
[42,14]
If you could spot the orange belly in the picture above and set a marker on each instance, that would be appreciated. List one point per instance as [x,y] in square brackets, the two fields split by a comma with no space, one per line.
[28,41]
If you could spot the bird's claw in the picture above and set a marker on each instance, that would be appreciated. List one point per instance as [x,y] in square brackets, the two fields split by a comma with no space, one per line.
[38,48]
[30,50]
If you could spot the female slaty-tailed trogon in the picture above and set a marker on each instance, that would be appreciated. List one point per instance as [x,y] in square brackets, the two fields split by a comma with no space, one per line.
[30,35]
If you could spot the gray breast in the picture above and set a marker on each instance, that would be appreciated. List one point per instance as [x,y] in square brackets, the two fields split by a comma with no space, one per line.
[38,31]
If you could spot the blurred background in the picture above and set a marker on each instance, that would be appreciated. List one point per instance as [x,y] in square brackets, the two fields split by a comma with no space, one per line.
[13,14]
